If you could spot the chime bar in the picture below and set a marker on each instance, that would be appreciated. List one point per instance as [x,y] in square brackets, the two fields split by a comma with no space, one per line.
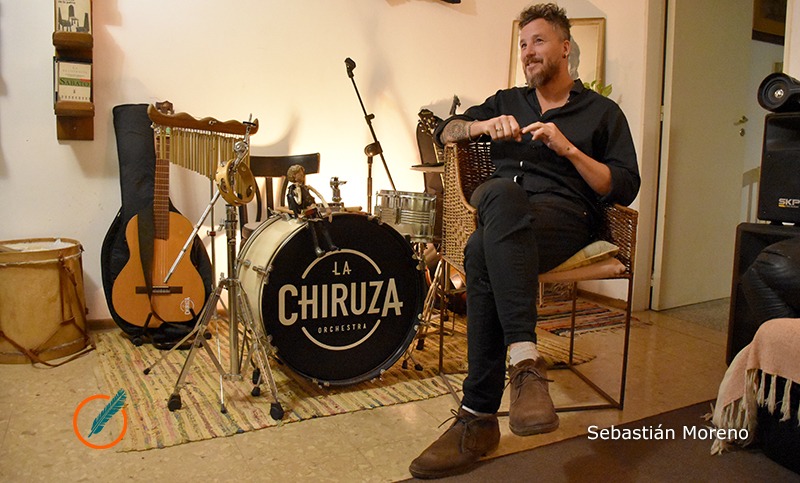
[186,121]
[199,145]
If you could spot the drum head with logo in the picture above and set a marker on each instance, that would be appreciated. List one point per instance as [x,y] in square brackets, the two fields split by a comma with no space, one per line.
[350,314]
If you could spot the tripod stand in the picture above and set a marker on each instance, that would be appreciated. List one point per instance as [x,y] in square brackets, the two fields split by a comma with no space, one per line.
[239,311]
[257,352]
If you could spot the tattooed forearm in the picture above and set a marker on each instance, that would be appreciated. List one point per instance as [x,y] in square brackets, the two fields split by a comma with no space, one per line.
[455,131]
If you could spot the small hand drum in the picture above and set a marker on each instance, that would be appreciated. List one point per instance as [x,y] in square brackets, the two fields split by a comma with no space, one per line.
[236,187]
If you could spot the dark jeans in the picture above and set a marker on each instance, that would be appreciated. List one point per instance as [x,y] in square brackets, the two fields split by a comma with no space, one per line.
[517,236]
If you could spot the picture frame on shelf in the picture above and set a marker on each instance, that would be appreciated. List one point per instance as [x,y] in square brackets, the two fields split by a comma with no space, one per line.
[587,56]
[769,21]
[72,81]
[73,16]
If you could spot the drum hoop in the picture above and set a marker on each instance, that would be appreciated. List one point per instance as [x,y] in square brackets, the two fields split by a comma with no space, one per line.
[253,236]
[40,256]
[410,194]
[263,227]
[40,262]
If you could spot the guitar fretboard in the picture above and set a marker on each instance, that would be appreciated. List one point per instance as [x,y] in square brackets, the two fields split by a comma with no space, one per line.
[161,189]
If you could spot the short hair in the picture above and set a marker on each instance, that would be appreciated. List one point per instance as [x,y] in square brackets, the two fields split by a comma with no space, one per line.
[550,12]
[293,171]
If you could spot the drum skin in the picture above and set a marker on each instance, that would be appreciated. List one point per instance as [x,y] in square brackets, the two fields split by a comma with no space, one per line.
[341,318]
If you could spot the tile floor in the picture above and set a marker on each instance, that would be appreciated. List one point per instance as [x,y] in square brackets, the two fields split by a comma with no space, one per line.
[673,363]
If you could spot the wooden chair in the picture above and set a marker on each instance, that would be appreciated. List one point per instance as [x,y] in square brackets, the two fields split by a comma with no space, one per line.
[467,165]
[269,168]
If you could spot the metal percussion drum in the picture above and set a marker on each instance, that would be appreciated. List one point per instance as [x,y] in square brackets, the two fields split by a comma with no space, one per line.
[411,214]
[341,318]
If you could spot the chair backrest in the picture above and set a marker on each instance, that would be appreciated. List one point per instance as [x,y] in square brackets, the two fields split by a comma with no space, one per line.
[275,167]
[466,166]
[618,226]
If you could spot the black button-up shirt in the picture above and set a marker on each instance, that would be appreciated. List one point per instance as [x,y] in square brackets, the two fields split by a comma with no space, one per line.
[593,123]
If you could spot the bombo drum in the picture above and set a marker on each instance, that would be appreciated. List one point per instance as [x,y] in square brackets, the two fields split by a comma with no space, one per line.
[341,318]
[42,304]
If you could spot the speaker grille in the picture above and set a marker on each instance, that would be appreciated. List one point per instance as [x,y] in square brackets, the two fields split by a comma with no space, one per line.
[779,187]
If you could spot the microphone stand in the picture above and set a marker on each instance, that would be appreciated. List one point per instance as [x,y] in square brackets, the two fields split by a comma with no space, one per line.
[374,148]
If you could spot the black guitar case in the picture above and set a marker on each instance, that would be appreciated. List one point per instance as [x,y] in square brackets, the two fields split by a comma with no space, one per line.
[137,162]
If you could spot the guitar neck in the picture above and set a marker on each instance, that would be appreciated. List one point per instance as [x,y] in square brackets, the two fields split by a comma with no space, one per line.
[454,105]
[161,188]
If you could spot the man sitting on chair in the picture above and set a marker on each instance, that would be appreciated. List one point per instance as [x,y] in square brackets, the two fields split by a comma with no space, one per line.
[559,149]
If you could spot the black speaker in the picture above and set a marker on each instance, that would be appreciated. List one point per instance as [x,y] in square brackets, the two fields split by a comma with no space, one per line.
[779,187]
[751,238]
[779,93]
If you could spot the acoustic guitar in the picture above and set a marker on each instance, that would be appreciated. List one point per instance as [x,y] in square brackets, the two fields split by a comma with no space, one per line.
[140,294]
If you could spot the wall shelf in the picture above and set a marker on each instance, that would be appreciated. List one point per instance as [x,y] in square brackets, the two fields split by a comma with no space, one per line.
[74,113]
[74,121]
[76,41]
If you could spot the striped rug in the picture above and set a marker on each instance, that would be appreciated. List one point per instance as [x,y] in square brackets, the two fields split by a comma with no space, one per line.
[152,425]
[554,317]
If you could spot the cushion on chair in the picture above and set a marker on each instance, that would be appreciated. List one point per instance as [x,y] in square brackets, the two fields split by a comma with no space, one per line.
[608,268]
[591,253]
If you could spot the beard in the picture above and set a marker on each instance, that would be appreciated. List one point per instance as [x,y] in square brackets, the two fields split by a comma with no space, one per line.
[545,74]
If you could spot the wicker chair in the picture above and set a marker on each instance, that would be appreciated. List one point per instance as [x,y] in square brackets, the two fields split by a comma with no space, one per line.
[467,165]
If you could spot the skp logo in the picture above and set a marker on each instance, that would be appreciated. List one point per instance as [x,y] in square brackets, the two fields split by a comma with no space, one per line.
[788,203]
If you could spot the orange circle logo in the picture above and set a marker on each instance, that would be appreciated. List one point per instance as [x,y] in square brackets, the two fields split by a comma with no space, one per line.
[84,440]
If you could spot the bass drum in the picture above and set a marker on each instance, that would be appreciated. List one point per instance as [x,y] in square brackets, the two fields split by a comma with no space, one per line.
[341,318]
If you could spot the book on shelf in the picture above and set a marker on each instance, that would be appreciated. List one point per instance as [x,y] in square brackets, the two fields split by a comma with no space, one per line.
[73,16]
[72,81]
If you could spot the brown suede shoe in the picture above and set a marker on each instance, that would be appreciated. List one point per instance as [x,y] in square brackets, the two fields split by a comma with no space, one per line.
[531,410]
[459,448]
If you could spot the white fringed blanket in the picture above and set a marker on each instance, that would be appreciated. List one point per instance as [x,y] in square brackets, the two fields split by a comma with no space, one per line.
[774,352]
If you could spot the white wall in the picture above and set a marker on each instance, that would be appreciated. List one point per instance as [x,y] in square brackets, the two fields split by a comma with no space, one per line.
[284,63]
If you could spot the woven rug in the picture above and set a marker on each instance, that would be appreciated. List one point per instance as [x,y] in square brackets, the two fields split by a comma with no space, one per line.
[152,425]
[590,317]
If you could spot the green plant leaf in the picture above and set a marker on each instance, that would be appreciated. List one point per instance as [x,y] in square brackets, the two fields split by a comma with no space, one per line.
[599,88]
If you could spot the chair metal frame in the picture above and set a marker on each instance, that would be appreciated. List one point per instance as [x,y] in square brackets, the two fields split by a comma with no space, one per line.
[467,165]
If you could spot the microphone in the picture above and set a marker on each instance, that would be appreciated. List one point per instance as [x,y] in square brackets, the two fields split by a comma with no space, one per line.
[351,65]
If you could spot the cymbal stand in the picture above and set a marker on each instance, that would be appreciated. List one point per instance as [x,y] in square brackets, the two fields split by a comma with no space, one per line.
[258,350]
[374,148]
[239,312]
[212,233]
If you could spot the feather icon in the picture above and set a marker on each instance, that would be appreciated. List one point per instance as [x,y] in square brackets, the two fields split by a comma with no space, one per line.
[108,412]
